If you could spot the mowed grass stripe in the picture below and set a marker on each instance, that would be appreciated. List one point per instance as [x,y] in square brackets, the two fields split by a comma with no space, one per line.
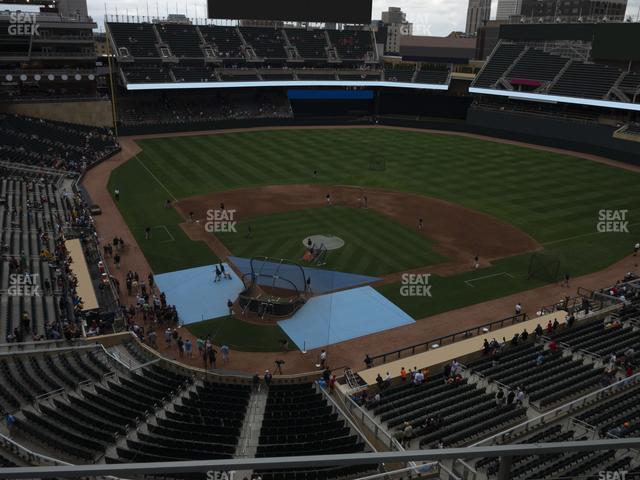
[480,179]
[228,166]
[552,197]
[192,158]
[371,239]
[180,169]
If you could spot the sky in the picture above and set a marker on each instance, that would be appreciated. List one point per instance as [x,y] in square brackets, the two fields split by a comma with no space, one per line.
[430,17]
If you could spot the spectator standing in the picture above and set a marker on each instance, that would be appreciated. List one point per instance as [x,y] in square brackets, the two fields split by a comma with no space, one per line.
[25,322]
[407,434]
[224,349]
[267,378]
[539,330]
[224,272]
[212,356]
[455,367]
[151,339]
[323,358]
[180,344]
[368,361]
[10,421]
[332,383]
[387,380]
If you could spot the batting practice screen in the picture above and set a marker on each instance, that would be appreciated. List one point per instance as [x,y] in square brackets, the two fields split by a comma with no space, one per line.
[339,11]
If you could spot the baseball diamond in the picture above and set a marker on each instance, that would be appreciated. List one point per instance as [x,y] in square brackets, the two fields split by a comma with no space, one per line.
[307,241]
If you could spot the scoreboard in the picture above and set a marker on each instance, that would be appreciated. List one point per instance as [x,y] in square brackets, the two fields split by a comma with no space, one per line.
[338,11]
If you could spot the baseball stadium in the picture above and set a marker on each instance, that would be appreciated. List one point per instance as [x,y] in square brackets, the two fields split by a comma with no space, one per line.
[227,229]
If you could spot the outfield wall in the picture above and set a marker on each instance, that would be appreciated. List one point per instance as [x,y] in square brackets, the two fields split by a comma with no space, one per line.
[570,135]
[578,137]
[436,111]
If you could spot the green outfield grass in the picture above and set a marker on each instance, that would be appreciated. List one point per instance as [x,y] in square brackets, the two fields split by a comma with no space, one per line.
[554,198]
[374,244]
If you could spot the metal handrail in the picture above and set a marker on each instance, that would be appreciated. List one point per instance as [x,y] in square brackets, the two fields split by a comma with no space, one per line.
[31,455]
[388,439]
[551,415]
[21,351]
[335,405]
[44,344]
[387,475]
[567,407]
[38,458]
[51,394]
[119,363]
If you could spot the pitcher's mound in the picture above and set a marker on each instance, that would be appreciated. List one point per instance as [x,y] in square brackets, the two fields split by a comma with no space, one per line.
[330,242]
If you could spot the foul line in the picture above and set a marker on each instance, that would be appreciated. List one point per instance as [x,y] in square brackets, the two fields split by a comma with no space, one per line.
[583,235]
[156,179]
[171,237]
[469,282]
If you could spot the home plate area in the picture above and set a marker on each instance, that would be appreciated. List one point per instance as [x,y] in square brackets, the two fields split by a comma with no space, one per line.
[331,317]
